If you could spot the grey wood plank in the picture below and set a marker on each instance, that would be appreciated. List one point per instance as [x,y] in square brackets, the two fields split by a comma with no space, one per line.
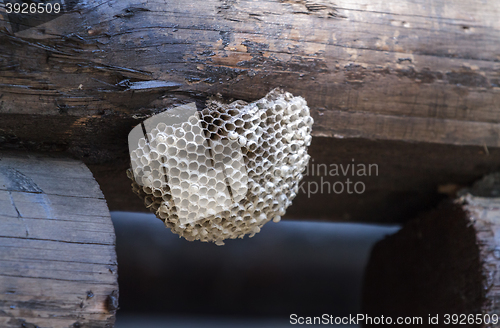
[58,263]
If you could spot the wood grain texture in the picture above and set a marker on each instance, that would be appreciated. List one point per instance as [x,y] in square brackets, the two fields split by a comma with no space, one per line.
[442,262]
[432,266]
[411,85]
[390,70]
[485,215]
[57,245]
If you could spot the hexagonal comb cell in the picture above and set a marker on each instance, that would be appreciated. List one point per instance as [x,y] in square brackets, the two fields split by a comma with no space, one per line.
[223,172]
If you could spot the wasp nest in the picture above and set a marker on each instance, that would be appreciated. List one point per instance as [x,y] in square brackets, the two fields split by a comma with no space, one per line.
[225,171]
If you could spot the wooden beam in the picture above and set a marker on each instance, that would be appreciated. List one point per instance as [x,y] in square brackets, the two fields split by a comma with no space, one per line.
[405,185]
[57,245]
[443,262]
[388,70]
[376,74]
[485,216]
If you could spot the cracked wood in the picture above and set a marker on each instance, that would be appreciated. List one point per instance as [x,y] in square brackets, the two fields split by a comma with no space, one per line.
[57,245]
[389,70]
[413,85]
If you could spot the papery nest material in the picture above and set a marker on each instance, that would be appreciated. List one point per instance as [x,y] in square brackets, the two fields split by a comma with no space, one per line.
[225,171]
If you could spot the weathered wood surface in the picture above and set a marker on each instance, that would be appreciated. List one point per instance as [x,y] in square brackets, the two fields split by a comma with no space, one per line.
[485,216]
[57,245]
[396,70]
[443,262]
[376,74]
